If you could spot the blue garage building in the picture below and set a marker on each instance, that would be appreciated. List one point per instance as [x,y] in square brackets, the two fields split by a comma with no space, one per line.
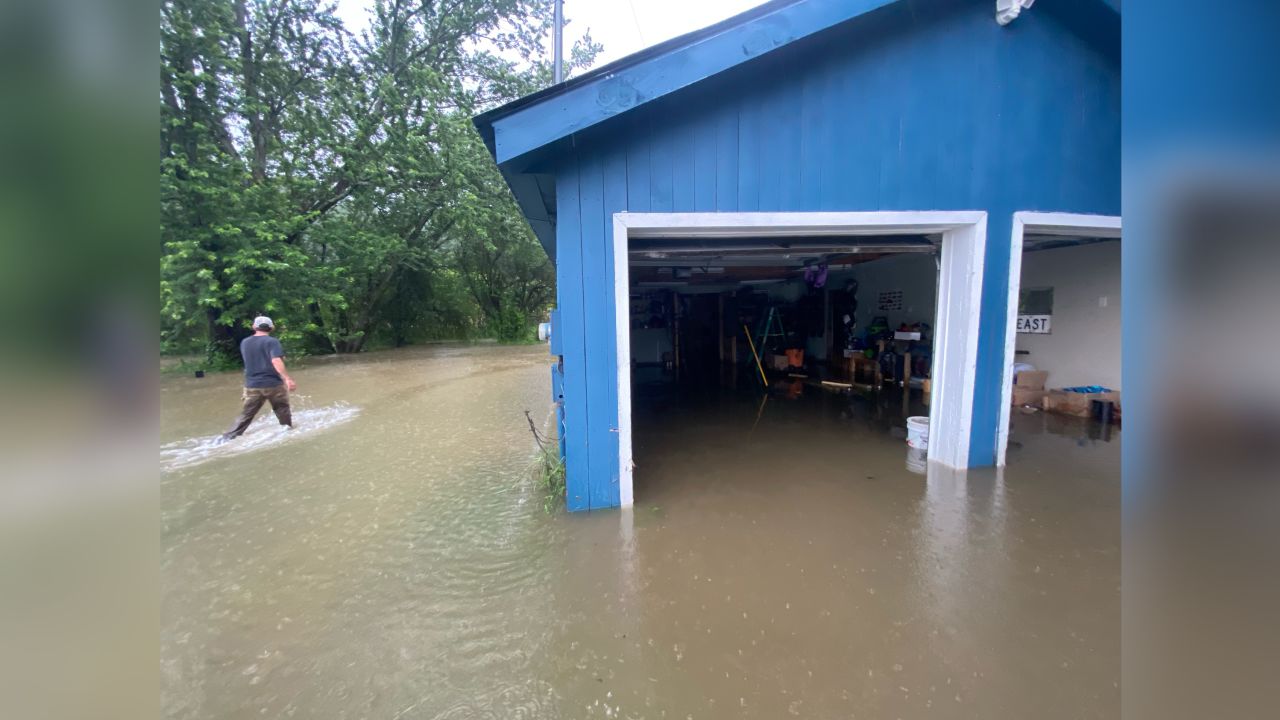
[963,123]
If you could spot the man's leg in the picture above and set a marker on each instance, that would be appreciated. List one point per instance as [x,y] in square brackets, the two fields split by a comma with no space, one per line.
[253,399]
[279,397]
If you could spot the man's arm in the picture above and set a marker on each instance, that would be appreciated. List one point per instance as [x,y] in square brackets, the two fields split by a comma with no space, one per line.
[278,364]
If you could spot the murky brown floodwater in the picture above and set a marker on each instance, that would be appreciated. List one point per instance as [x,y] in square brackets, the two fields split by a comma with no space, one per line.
[394,560]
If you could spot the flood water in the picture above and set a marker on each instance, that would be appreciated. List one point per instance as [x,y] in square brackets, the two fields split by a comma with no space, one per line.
[393,559]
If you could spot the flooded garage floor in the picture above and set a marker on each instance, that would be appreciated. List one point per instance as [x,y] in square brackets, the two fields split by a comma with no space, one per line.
[779,562]
[802,569]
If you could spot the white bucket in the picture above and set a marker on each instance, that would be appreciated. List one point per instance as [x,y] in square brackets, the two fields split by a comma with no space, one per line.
[917,460]
[918,432]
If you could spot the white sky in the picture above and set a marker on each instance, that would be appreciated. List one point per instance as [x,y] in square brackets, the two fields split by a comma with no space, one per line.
[622,26]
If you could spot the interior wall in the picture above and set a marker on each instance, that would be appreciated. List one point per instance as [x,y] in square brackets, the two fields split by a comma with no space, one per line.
[784,292]
[915,274]
[649,344]
[790,292]
[1084,345]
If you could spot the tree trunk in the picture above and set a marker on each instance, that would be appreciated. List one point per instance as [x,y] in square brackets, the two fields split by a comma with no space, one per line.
[224,345]
[253,102]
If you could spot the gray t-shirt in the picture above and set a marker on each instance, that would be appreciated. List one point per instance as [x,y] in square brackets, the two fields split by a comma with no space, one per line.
[257,351]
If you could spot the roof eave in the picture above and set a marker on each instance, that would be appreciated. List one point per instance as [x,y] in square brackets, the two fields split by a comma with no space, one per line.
[535,121]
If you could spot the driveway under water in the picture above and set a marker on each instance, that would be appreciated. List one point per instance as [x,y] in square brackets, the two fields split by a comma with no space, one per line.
[393,559]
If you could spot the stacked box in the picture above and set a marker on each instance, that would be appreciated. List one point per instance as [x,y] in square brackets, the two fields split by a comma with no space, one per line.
[1028,388]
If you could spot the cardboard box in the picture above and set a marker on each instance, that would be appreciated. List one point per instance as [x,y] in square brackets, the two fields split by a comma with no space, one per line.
[1031,379]
[1026,396]
[1076,404]
[778,362]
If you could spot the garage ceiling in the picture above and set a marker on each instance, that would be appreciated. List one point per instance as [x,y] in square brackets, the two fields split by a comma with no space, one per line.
[730,260]
[1031,243]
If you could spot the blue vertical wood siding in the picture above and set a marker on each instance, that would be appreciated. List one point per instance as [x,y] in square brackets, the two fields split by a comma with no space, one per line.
[897,110]
[615,200]
[597,283]
[570,279]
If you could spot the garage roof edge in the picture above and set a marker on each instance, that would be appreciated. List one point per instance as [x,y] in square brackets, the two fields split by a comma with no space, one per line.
[537,120]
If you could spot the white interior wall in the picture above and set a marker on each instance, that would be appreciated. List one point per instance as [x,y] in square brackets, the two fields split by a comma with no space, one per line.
[915,274]
[1084,346]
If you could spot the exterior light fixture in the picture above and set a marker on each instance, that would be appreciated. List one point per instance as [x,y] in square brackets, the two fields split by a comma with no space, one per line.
[1007,10]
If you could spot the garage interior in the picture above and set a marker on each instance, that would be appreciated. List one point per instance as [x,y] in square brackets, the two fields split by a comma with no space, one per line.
[1067,356]
[786,346]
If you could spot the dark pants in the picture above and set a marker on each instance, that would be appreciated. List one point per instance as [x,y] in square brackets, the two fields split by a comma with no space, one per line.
[277,395]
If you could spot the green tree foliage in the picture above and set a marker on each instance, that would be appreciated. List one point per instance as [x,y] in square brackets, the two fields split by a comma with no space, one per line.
[334,181]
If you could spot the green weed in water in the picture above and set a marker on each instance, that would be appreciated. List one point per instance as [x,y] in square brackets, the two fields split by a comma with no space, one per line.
[549,469]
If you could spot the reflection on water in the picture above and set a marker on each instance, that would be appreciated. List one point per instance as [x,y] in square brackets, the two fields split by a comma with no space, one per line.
[780,560]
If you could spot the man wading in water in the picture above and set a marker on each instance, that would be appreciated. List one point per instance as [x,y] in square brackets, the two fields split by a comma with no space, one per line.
[265,379]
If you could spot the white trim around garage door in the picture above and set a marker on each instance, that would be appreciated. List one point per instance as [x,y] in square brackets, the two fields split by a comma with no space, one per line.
[964,235]
[1038,223]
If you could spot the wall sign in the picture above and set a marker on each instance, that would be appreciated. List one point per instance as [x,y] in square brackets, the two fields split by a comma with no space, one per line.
[889,300]
[1034,324]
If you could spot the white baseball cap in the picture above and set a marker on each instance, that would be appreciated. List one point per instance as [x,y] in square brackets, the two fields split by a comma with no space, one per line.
[263,320]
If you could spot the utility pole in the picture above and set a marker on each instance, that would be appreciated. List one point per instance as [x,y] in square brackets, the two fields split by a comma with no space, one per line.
[558,72]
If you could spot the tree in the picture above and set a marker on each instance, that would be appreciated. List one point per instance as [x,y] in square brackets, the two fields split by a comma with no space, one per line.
[244,119]
[335,181]
[504,268]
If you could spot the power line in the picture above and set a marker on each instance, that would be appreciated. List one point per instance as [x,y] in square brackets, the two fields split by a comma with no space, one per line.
[636,20]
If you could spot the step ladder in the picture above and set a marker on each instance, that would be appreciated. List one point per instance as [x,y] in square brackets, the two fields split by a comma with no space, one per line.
[771,328]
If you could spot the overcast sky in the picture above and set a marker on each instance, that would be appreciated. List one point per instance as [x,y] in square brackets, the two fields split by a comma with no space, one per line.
[622,26]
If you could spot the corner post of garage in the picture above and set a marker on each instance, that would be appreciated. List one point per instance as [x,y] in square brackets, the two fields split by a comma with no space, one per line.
[988,389]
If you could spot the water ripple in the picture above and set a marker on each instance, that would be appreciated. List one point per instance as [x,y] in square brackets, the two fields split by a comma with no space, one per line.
[264,433]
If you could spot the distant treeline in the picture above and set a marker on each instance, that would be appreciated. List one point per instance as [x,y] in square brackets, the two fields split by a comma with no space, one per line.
[333,179]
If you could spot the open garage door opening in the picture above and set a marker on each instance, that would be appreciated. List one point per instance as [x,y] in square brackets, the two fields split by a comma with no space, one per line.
[1063,336]
[751,342]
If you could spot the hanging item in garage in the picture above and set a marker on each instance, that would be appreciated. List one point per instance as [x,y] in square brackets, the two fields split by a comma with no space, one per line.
[816,275]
